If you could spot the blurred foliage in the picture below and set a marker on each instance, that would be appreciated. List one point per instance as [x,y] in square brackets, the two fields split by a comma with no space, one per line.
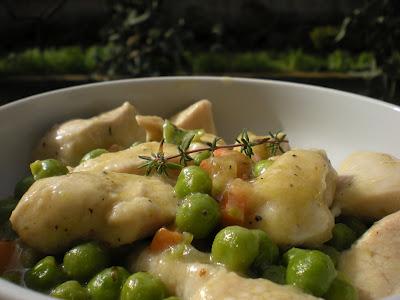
[286,61]
[75,60]
[142,42]
[343,61]
[375,27]
[323,37]
[67,60]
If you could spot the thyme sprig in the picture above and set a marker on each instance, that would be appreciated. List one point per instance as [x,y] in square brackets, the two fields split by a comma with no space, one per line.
[279,137]
[160,163]
[247,145]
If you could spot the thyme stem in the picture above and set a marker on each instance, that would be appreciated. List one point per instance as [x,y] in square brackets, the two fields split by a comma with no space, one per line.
[231,146]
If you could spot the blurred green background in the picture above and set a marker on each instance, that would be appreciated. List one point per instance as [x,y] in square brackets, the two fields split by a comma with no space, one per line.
[350,45]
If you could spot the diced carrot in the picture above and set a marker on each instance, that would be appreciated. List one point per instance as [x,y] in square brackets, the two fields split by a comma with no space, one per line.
[7,249]
[234,204]
[206,165]
[242,162]
[164,239]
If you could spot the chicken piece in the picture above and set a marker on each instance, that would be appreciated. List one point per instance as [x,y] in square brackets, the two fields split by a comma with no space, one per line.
[373,263]
[190,279]
[292,198]
[126,161]
[110,207]
[153,125]
[369,185]
[69,141]
[197,116]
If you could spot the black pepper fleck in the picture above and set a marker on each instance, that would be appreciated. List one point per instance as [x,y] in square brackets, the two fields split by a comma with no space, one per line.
[109,130]
[56,227]
[90,210]
[258,218]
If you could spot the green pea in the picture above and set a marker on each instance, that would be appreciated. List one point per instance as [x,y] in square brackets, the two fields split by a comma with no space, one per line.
[192,179]
[197,214]
[355,224]
[342,237]
[83,261]
[235,247]
[177,136]
[70,290]
[173,134]
[291,253]
[107,284]
[47,168]
[268,252]
[44,275]
[261,166]
[312,271]
[143,286]
[93,154]
[332,253]
[7,205]
[22,186]
[197,159]
[275,274]
[341,289]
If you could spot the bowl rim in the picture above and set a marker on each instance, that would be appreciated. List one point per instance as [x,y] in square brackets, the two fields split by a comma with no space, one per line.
[305,86]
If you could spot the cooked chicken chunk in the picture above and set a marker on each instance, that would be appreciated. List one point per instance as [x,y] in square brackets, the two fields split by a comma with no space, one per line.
[373,263]
[197,116]
[292,199]
[126,161]
[193,280]
[153,125]
[114,208]
[71,140]
[369,185]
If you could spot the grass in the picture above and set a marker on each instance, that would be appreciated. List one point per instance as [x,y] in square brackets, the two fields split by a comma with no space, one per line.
[288,61]
[67,60]
[75,60]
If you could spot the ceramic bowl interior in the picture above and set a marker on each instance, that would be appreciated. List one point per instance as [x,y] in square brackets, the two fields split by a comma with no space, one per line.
[312,117]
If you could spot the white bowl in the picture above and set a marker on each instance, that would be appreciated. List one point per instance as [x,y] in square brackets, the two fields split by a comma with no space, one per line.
[313,117]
